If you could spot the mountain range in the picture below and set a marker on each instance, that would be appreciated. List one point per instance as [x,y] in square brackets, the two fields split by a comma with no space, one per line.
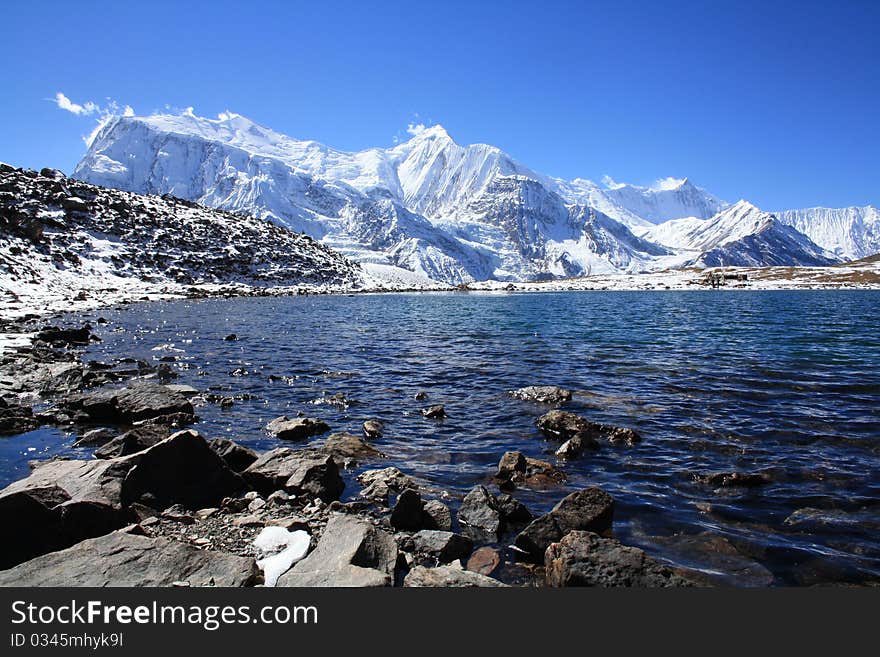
[455,213]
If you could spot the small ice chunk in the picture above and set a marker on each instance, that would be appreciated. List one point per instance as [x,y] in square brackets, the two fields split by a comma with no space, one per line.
[280,549]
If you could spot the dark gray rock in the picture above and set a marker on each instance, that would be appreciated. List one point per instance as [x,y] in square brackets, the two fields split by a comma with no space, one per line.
[516,469]
[301,472]
[583,558]
[542,394]
[16,418]
[565,426]
[436,412]
[127,405]
[591,509]
[437,515]
[442,545]
[236,456]
[479,513]
[373,429]
[298,428]
[65,337]
[408,511]
[346,447]
[125,559]
[182,469]
[351,552]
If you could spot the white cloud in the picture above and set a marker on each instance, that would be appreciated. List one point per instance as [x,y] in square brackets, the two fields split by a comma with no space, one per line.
[68,105]
[416,128]
[610,183]
[666,184]
[103,113]
[227,115]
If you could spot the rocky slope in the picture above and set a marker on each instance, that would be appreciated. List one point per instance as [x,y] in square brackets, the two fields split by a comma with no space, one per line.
[429,205]
[65,238]
[849,233]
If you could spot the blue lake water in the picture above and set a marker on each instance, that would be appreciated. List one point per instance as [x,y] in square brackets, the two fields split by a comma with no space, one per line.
[786,383]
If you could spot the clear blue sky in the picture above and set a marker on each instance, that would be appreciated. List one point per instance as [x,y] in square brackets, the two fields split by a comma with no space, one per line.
[775,101]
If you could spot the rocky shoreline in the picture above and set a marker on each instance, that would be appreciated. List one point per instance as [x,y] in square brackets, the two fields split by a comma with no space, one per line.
[162,505]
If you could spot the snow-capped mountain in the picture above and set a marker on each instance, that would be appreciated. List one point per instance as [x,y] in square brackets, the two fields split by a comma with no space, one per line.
[429,205]
[741,235]
[849,233]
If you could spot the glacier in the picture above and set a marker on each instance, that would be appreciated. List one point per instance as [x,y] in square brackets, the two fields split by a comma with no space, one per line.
[452,213]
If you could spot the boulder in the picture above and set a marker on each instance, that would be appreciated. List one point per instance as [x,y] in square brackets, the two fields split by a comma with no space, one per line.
[591,509]
[379,484]
[516,469]
[61,503]
[346,447]
[447,576]
[542,394]
[301,472]
[125,559]
[237,457]
[437,515]
[139,401]
[408,511]
[351,552]
[484,560]
[564,426]
[298,428]
[65,337]
[16,418]
[479,513]
[442,545]
[182,469]
[583,558]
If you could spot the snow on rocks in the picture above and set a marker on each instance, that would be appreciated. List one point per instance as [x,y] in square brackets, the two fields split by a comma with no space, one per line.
[279,550]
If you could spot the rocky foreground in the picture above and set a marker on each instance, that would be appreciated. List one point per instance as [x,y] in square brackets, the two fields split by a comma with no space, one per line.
[161,505]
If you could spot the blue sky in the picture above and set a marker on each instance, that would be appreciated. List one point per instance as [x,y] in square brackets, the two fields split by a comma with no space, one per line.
[776,102]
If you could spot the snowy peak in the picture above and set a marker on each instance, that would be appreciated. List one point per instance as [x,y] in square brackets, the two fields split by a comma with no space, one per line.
[666,199]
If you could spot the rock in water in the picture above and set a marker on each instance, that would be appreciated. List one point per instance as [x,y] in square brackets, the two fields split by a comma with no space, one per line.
[436,412]
[542,394]
[123,559]
[582,433]
[734,479]
[447,576]
[348,447]
[591,509]
[516,469]
[351,552]
[373,429]
[140,401]
[298,428]
[583,558]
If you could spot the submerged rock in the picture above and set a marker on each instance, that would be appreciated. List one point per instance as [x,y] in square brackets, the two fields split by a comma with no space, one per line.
[583,434]
[583,558]
[591,510]
[734,479]
[351,552]
[298,428]
[542,394]
[125,559]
